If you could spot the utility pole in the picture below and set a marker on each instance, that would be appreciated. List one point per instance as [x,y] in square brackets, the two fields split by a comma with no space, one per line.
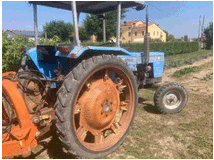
[202,27]
[199,32]
[104,28]
[199,27]
[146,40]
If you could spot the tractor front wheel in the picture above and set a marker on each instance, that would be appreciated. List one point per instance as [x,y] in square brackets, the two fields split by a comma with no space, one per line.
[95,106]
[170,98]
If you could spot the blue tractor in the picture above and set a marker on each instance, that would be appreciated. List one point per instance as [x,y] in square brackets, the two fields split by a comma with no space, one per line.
[91,91]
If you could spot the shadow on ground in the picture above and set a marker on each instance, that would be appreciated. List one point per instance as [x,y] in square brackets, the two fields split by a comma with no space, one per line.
[50,149]
[148,107]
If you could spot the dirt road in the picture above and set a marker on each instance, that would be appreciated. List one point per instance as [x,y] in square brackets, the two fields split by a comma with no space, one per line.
[193,82]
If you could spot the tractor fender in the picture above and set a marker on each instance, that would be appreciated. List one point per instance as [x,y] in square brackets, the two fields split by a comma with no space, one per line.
[83,51]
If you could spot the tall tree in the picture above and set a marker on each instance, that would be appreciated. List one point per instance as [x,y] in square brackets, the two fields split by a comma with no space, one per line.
[209,36]
[58,28]
[94,26]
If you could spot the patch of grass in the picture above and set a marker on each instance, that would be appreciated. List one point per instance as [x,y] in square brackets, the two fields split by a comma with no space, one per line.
[186,70]
[177,60]
[208,77]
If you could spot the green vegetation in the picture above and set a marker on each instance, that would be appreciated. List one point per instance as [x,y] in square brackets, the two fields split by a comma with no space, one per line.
[185,37]
[208,77]
[11,52]
[58,28]
[187,70]
[169,48]
[94,26]
[177,60]
[209,36]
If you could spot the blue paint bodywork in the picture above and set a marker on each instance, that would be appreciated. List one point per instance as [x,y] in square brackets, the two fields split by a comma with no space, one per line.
[45,68]
[132,59]
[135,59]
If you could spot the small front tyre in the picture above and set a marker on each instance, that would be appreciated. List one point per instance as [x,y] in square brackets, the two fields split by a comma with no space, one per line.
[170,98]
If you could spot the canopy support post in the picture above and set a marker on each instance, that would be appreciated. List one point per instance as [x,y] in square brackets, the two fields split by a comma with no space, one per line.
[35,24]
[118,24]
[76,32]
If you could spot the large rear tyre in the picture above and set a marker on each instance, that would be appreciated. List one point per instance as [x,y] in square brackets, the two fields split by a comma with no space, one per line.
[95,106]
[170,98]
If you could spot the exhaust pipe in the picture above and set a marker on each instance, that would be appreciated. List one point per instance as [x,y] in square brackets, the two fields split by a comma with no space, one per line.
[145,60]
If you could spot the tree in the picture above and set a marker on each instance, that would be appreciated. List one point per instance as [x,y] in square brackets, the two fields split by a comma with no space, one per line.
[94,26]
[209,36]
[185,37]
[170,38]
[84,36]
[58,28]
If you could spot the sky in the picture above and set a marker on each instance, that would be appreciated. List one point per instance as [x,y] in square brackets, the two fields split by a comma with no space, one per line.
[177,17]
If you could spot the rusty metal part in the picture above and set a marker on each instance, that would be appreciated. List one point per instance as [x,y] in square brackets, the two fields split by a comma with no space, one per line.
[22,136]
[47,113]
[46,117]
[33,96]
[104,109]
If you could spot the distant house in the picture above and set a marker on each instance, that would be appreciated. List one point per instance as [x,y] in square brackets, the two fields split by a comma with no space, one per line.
[29,34]
[11,34]
[134,31]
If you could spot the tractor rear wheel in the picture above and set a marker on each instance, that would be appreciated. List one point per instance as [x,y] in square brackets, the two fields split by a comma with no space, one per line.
[95,106]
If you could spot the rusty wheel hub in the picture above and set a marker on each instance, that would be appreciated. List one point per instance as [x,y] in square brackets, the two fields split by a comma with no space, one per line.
[103,109]
[99,106]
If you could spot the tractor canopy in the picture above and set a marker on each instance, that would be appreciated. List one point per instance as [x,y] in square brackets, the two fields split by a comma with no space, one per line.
[92,7]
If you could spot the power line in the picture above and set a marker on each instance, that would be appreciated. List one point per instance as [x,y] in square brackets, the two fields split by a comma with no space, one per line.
[161,10]
[156,8]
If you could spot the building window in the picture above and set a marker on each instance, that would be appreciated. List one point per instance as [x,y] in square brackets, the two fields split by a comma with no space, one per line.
[143,33]
[129,34]
[129,41]
[157,33]
[135,33]
[154,33]
[161,33]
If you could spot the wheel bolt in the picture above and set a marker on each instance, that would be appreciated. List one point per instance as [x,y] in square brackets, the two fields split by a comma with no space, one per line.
[37,134]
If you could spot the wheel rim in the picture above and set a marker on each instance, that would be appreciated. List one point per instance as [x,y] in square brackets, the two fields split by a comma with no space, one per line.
[172,99]
[104,108]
